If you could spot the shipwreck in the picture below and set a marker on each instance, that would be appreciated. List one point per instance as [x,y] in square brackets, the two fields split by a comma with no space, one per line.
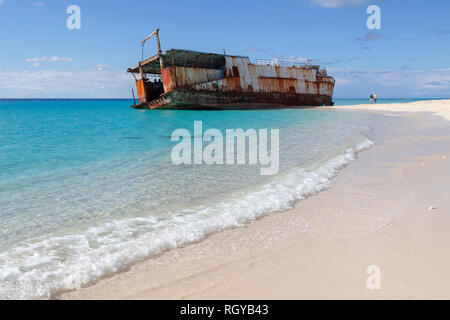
[185,79]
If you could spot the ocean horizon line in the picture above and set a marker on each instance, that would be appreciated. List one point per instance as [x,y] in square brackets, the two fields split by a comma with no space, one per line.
[360,98]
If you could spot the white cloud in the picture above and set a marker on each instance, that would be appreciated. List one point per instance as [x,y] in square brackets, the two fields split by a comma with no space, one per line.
[101,81]
[257,50]
[281,59]
[49,59]
[38,4]
[338,3]
[296,59]
[2,2]
[404,82]
[87,83]
[99,67]
[37,61]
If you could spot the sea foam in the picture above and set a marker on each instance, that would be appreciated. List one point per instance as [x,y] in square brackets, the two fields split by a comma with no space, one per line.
[38,268]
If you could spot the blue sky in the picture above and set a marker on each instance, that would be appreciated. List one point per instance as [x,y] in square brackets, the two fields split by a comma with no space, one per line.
[41,58]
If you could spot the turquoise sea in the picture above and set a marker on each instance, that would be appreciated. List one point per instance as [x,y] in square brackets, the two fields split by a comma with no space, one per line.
[87,187]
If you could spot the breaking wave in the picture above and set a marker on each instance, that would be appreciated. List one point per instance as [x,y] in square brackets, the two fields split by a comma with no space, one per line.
[37,269]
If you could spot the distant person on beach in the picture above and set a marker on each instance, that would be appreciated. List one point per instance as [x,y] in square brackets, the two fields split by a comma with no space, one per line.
[375,97]
[371,98]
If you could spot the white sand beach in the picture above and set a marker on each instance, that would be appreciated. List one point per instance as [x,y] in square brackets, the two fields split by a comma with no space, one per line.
[438,107]
[389,208]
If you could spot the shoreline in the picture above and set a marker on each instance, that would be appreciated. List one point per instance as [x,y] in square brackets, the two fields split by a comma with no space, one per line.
[322,247]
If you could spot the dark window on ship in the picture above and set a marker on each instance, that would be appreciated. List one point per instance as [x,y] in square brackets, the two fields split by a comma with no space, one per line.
[235,71]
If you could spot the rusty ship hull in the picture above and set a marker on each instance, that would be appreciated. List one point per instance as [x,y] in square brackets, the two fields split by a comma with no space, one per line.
[184,79]
[207,100]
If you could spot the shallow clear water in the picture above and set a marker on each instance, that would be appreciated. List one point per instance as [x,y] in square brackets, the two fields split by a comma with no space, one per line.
[87,187]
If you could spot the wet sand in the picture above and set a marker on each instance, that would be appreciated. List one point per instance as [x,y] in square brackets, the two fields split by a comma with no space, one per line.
[389,208]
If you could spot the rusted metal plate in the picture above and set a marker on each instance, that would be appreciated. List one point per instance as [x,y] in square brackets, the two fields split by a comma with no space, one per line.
[140,88]
[187,77]
[274,84]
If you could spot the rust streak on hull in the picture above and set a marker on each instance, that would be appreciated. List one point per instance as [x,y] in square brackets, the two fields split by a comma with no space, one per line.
[182,99]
